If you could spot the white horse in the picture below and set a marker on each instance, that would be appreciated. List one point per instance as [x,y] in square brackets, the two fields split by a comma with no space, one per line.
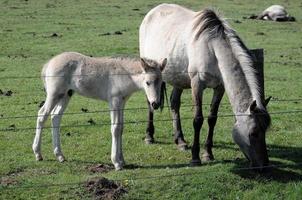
[275,13]
[204,52]
[109,79]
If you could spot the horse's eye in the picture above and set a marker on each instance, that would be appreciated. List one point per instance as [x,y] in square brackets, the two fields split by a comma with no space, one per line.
[148,83]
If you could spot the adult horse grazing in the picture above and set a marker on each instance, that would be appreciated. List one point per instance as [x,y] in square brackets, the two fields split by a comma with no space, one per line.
[204,52]
[109,79]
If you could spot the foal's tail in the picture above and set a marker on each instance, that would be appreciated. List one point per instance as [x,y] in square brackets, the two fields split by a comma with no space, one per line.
[43,74]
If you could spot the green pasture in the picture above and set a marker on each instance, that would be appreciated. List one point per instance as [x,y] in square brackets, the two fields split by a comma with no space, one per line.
[32,31]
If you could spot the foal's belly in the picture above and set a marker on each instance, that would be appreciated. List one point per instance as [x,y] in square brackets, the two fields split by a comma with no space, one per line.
[92,88]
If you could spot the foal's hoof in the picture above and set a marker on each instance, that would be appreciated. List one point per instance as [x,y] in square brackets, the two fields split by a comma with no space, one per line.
[61,158]
[206,157]
[195,163]
[182,147]
[39,157]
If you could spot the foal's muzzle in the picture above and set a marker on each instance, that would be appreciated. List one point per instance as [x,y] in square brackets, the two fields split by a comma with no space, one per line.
[155,105]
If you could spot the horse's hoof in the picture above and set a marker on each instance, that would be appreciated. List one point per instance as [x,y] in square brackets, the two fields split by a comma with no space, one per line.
[207,157]
[195,163]
[149,141]
[61,158]
[182,147]
[39,157]
[118,167]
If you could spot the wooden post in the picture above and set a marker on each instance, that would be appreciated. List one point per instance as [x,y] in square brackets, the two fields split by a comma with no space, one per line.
[258,57]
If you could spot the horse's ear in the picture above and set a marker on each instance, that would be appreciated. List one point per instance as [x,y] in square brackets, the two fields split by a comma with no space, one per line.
[144,65]
[163,64]
[267,100]
[253,106]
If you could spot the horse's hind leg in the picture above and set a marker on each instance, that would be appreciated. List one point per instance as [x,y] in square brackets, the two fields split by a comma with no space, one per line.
[42,117]
[212,119]
[56,116]
[175,105]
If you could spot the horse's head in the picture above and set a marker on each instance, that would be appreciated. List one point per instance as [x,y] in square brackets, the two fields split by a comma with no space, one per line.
[152,80]
[249,133]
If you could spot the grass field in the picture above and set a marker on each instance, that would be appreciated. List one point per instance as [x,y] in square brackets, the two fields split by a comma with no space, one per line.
[33,31]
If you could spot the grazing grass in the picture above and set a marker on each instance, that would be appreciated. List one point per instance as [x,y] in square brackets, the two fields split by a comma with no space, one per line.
[33,31]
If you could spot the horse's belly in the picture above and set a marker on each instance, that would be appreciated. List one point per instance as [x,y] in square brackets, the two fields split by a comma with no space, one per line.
[92,88]
[177,75]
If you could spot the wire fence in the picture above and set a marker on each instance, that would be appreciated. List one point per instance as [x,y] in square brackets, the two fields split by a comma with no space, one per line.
[39,104]
[14,128]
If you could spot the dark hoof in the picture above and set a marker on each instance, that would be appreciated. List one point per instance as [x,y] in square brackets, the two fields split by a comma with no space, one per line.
[207,157]
[149,141]
[182,147]
[195,163]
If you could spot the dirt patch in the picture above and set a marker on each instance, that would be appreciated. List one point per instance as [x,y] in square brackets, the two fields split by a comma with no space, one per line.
[102,188]
[99,168]
[121,32]
[85,110]
[6,93]
[6,181]
[91,121]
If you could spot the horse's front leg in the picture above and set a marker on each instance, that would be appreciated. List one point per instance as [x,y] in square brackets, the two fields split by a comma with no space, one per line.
[212,119]
[197,91]
[175,106]
[149,139]
[117,121]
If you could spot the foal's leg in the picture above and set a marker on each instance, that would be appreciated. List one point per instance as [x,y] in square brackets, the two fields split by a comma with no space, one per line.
[149,139]
[197,91]
[56,116]
[212,119]
[116,113]
[175,105]
[43,114]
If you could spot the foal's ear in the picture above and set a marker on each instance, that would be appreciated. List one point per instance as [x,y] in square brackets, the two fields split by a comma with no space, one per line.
[163,64]
[144,65]
[253,106]
[267,100]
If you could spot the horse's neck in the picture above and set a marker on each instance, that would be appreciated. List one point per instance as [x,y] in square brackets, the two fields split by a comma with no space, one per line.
[235,82]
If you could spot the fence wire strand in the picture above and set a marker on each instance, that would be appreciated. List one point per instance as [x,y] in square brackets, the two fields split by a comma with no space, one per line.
[15,129]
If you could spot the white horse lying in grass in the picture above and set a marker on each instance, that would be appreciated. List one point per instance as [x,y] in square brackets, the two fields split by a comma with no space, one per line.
[109,79]
[275,13]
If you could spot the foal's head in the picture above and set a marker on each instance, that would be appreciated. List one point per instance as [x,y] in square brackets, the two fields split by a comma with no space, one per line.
[249,134]
[152,80]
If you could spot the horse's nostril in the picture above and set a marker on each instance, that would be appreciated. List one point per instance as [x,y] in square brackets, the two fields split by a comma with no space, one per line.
[155,105]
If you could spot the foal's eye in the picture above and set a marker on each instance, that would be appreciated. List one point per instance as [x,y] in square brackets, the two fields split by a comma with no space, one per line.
[148,83]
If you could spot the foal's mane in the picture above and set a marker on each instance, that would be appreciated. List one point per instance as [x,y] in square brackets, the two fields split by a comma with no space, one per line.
[209,25]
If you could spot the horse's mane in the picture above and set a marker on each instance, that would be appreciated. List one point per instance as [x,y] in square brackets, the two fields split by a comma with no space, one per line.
[210,25]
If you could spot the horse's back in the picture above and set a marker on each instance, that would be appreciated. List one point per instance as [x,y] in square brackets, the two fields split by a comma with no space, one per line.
[164,33]
[162,25]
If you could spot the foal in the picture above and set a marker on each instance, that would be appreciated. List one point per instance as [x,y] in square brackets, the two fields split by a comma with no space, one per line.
[109,79]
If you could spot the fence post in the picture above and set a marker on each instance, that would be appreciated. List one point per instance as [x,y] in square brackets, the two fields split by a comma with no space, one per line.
[258,57]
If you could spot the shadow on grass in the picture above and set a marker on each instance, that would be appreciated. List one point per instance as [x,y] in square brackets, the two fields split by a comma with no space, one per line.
[282,172]
[288,153]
